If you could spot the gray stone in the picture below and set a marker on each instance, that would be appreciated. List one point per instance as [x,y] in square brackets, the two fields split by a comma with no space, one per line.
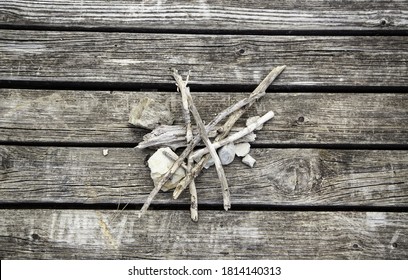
[242,149]
[227,154]
[149,114]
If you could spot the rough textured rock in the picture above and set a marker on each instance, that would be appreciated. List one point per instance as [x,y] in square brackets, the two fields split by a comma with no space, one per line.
[149,114]
[227,154]
[248,160]
[242,149]
[159,164]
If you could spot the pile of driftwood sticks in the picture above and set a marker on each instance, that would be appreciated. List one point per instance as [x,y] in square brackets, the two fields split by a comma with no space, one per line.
[197,159]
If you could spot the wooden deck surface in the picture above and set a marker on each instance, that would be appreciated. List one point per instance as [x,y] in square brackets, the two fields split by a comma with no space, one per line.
[331,178]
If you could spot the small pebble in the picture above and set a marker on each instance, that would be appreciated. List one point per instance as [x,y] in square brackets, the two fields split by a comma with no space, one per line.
[105,152]
[248,160]
[242,149]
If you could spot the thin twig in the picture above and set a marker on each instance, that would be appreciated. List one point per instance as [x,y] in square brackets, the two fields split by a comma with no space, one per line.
[185,92]
[212,151]
[174,158]
[186,114]
[193,195]
[174,137]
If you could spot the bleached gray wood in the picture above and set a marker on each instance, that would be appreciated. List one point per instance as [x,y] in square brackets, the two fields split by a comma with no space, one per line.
[91,234]
[140,58]
[307,177]
[54,116]
[208,14]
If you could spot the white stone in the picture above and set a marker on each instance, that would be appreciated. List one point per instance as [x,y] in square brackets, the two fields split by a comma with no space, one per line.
[227,154]
[242,149]
[149,114]
[159,164]
[252,120]
[209,163]
[105,152]
[248,160]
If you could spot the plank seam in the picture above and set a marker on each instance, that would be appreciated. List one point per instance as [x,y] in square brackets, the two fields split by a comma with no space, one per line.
[328,146]
[169,87]
[262,32]
[207,207]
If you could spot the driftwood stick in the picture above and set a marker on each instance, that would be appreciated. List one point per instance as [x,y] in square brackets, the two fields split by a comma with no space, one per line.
[233,118]
[234,137]
[174,136]
[174,158]
[182,86]
[212,151]
[193,195]
[185,92]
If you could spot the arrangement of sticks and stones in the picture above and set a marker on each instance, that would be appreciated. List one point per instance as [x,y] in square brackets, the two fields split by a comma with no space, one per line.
[170,171]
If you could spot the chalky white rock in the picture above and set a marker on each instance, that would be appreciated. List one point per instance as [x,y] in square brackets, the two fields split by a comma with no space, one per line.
[242,149]
[248,160]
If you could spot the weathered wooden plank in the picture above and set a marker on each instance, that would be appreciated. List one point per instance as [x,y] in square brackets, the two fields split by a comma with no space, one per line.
[307,177]
[213,59]
[300,118]
[79,234]
[209,14]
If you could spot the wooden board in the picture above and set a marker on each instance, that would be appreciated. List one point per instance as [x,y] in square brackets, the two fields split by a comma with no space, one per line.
[54,116]
[297,177]
[139,58]
[92,234]
[208,15]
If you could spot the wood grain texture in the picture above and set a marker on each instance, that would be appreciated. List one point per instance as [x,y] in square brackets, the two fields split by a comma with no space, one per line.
[298,177]
[209,14]
[213,59]
[79,234]
[54,116]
